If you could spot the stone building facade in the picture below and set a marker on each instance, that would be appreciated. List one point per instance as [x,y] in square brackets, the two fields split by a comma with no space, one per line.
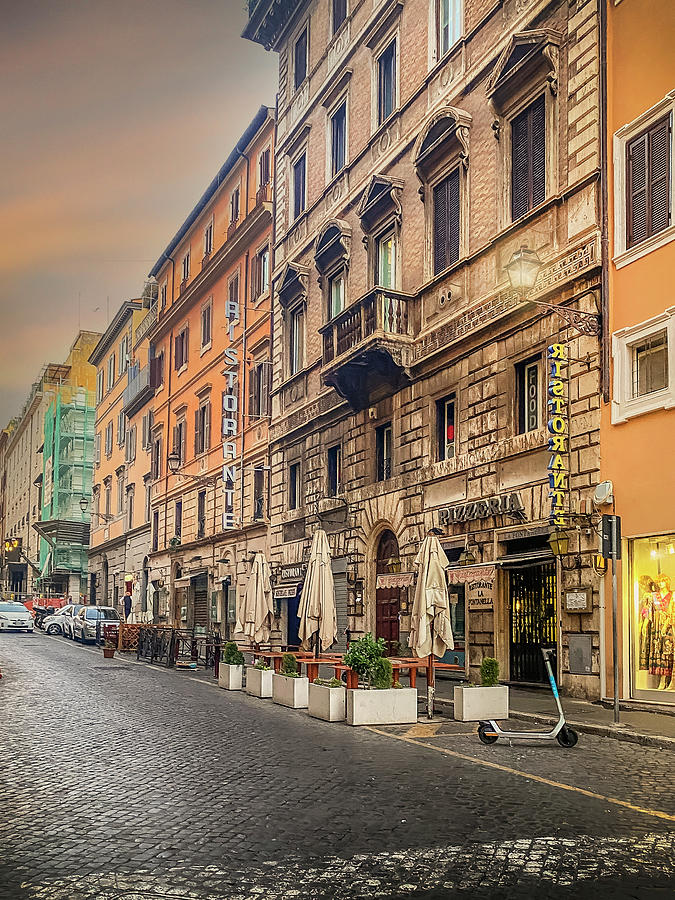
[420,145]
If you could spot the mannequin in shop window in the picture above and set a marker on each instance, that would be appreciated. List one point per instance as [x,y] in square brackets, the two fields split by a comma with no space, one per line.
[661,644]
[648,589]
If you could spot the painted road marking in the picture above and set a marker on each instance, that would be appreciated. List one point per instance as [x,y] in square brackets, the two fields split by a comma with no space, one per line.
[657,813]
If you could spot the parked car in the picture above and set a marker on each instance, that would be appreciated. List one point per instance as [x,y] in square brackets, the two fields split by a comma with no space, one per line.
[88,624]
[61,621]
[14,616]
[70,618]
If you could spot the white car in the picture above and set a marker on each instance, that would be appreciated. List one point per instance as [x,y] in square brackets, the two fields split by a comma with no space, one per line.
[15,617]
[61,621]
[90,621]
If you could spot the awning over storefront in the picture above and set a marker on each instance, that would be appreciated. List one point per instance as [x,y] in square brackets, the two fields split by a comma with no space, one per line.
[402,579]
[528,558]
[462,574]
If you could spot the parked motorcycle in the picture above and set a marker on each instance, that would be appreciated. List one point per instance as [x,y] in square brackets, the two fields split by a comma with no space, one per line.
[41,613]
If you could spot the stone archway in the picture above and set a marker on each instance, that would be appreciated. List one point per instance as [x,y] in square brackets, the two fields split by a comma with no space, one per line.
[387,600]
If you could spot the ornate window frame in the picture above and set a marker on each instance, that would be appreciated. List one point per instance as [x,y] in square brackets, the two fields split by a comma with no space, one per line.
[379,210]
[624,405]
[528,66]
[332,253]
[624,255]
[434,163]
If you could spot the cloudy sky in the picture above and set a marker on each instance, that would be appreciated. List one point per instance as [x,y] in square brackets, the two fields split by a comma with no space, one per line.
[116,114]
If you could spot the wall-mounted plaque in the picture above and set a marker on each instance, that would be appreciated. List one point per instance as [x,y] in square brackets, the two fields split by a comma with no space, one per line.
[579,600]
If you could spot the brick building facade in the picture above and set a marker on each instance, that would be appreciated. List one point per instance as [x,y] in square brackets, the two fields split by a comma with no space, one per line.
[419,146]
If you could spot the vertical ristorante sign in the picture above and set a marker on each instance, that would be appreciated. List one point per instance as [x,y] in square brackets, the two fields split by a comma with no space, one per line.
[558,427]
[230,418]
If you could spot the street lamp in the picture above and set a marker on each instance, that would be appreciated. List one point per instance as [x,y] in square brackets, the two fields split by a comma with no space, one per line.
[173,461]
[84,505]
[559,542]
[467,557]
[523,269]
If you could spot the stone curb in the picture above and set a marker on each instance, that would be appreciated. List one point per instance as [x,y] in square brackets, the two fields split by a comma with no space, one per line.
[611,731]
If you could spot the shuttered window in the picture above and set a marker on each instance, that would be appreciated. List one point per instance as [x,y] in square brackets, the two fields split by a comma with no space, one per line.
[528,158]
[446,222]
[648,183]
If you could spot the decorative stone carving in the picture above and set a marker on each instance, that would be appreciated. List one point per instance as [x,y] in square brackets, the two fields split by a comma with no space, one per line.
[338,48]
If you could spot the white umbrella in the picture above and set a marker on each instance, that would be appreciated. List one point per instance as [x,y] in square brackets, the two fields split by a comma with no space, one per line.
[317,601]
[255,614]
[430,629]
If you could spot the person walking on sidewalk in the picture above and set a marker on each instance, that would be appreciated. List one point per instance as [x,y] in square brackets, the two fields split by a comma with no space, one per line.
[127,604]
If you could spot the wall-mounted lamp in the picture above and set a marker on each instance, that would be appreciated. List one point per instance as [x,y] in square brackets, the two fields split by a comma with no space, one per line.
[559,542]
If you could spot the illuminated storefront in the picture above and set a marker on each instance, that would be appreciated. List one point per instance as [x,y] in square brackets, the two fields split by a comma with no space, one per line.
[651,608]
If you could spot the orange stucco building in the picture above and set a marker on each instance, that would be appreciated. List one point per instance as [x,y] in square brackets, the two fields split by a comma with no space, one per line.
[211,357]
[120,513]
[638,424]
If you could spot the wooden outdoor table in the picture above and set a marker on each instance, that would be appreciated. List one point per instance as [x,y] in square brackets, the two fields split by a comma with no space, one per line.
[413,663]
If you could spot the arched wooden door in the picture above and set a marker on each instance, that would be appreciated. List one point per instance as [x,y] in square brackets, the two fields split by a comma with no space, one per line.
[387,600]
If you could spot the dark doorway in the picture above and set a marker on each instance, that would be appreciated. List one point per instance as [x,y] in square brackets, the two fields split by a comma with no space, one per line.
[388,600]
[92,588]
[201,589]
[532,605]
[293,633]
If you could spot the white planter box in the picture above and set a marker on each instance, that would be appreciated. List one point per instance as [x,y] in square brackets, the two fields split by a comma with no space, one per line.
[230,677]
[259,682]
[290,691]
[394,706]
[329,704]
[476,704]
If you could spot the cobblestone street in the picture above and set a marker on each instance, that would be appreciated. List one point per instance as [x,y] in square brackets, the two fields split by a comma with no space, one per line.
[118,780]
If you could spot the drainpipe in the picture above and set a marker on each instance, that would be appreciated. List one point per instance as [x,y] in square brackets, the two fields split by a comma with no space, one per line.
[272,264]
[168,397]
[244,340]
[243,384]
[604,206]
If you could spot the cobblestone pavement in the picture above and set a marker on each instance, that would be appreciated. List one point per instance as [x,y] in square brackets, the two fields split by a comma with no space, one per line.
[122,781]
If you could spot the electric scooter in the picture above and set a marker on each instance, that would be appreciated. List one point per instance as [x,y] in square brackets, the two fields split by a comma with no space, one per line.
[489,731]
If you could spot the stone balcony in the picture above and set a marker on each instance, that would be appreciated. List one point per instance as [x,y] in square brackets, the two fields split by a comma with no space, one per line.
[367,348]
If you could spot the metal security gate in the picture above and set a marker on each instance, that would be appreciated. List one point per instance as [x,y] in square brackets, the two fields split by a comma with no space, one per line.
[532,604]
[201,614]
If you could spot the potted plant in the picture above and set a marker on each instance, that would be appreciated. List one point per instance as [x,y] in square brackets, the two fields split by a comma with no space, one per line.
[489,700]
[109,649]
[231,668]
[328,700]
[259,680]
[289,687]
[378,701]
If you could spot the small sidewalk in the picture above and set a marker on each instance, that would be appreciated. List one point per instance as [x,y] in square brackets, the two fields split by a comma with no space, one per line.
[656,729]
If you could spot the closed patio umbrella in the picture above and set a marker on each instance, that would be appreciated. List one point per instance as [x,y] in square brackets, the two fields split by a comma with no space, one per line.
[430,629]
[254,617]
[317,601]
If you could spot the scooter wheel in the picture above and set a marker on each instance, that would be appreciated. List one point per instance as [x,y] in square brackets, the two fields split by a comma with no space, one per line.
[567,737]
[487,737]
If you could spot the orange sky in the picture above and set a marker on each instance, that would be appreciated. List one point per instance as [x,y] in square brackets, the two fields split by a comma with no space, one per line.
[116,115]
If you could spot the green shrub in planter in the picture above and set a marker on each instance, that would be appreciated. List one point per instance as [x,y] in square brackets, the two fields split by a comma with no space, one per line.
[331,683]
[383,674]
[232,655]
[261,664]
[489,672]
[289,666]
[364,655]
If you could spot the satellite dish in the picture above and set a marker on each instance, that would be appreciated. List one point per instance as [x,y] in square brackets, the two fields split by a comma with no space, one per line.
[604,494]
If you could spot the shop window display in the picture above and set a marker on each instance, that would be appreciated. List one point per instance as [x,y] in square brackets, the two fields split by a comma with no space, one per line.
[653,580]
